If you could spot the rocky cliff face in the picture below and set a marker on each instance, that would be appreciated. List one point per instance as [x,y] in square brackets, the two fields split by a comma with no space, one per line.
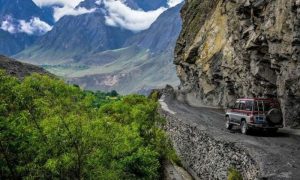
[240,48]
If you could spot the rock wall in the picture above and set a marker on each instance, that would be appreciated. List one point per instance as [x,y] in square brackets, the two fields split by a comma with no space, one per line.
[240,48]
[204,156]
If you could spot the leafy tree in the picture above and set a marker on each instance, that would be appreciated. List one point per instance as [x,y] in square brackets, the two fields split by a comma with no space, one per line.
[51,130]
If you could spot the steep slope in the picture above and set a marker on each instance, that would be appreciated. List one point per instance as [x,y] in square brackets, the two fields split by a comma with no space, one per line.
[240,49]
[12,43]
[18,69]
[146,4]
[11,12]
[162,35]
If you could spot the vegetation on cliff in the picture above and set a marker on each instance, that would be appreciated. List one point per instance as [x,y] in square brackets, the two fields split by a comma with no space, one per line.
[51,130]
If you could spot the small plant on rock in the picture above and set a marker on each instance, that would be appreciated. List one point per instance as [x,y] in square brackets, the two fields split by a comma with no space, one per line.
[234,174]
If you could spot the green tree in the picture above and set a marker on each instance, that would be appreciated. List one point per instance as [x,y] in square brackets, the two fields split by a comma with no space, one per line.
[51,130]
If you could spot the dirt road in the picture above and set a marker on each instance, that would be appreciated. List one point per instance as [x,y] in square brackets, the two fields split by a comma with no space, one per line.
[278,156]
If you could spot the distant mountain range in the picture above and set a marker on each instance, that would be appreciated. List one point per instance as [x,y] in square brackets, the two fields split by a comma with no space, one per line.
[86,50]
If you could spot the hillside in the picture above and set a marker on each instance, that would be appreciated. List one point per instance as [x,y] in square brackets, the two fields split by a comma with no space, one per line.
[18,69]
[237,49]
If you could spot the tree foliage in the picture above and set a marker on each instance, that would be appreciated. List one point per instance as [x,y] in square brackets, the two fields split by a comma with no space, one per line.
[50,130]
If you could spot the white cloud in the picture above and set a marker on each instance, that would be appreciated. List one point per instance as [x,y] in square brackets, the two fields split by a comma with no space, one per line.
[66,10]
[119,14]
[68,7]
[173,3]
[32,27]
[98,2]
[70,3]
[7,25]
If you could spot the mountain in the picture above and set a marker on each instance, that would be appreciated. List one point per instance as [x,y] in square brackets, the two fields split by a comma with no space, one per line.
[18,20]
[13,43]
[162,34]
[24,9]
[146,4]
[141,65]
[73,36]
[85,50]
[248,50]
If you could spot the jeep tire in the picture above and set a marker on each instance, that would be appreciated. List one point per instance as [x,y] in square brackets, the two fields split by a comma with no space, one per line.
[228,125]
[274,116]
[244,127]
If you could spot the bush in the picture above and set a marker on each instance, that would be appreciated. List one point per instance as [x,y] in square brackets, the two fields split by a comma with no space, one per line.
[50,130]
[234,174]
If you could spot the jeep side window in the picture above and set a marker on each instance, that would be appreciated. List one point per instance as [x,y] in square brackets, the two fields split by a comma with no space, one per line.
[236,105]
[249,105]
[242,106]
[267,106]
[258,106]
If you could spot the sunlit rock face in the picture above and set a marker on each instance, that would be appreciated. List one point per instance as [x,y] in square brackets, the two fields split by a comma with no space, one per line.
[240,48]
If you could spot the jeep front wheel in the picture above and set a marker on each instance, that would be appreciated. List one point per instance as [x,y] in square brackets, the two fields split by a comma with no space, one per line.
[244,127]
[228,125]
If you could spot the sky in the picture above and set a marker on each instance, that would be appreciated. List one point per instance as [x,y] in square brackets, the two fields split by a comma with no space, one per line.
[117,14]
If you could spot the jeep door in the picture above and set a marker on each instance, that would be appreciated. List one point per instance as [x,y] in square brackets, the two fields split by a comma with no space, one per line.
[241,112]
[235,112]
